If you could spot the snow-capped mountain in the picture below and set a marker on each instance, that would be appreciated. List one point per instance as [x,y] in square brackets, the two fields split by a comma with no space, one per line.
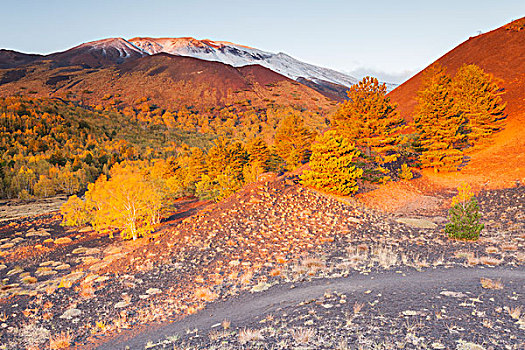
[111,51]
[123,47]
[238,56]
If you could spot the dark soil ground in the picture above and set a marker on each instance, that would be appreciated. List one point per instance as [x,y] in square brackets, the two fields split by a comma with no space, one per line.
[92,289]
[436,309]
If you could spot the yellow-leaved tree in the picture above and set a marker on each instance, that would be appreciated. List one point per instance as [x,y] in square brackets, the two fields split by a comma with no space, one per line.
[225,162]
[74,212]
[128,201]
[259,159]
[293,140]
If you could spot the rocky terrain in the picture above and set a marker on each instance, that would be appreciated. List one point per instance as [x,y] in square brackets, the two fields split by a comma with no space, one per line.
[273,236]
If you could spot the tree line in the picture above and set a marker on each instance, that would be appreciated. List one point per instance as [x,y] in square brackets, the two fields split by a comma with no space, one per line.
[365,139]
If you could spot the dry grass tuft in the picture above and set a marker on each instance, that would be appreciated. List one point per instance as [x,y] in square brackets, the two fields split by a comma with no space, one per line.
[491,250]
[218,334]
[246,278]
[487,260]
[487,283]
[302,335]
[60,341]
[226,324]
[250,335]
[509,247]
[358,307]
[515,312]
[520,256]
[205,294]
[343,345]
[384,256]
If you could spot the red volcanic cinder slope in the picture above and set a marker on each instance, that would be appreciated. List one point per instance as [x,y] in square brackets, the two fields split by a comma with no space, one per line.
[501,53]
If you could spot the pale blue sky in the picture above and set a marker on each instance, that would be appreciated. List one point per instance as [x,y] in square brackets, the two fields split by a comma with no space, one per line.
[389,38]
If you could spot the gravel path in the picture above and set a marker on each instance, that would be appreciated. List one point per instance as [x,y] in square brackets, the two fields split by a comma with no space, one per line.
[249,308]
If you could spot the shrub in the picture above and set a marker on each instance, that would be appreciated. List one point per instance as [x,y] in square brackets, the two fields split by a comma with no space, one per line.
[405,173]
[74,212]
[464,216]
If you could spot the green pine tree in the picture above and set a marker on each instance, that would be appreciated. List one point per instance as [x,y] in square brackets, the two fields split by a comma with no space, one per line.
[439,123]
[464,216]
[370,120]
[333,165]
[479,98]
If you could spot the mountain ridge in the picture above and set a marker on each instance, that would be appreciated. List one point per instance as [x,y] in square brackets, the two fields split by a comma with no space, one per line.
[104,52]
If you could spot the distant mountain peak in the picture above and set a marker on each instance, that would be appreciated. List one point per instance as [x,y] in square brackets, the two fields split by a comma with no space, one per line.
[240,55]
[109,51]
[112,43]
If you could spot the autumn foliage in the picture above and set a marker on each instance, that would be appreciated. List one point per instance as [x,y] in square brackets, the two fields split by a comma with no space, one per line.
[293,140]
[129,201]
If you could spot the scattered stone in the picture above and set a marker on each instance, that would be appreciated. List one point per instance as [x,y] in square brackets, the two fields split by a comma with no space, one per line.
[153,291]
[410,313]
[70,313]
[79,250]
[417,223]
[354,220]
[63,240]
[262,286]
[63,267]
[121,304]
[453,294]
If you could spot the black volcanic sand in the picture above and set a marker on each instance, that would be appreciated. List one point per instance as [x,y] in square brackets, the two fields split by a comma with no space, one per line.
[403,270]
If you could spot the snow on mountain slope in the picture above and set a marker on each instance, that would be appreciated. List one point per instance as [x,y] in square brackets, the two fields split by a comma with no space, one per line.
[118,50]
[238,56]
[124,47]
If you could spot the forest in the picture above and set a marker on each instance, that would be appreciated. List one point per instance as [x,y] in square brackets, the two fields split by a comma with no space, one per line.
[127,162]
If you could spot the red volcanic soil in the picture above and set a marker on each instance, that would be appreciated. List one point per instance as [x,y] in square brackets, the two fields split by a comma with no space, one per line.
[501,53]
[169,81]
